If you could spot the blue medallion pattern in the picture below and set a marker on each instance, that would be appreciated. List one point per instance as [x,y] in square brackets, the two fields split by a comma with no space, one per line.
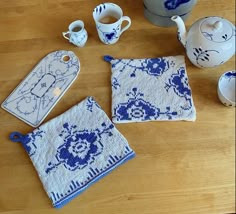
[173,4]
[80,147]
[179,82]
[138,109]
[156,67]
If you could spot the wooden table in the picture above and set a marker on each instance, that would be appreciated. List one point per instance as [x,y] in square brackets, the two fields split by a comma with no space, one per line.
[180,167]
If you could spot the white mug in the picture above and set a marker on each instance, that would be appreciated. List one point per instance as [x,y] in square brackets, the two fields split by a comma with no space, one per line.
[77,34]
[109,33]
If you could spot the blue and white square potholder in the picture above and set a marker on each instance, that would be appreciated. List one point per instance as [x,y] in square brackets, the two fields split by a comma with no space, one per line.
[74,150]
[150,89]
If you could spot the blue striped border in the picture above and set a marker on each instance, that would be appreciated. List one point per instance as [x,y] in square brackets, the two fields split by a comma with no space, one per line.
[72,195]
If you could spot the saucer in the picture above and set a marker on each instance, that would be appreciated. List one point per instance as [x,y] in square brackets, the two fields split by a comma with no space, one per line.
[226,88]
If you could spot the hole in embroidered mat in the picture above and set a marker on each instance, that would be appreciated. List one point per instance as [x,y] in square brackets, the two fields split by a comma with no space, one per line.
[66,58]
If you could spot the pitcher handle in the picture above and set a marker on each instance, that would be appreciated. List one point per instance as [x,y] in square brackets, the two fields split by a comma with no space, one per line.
[125,18]
[65,33]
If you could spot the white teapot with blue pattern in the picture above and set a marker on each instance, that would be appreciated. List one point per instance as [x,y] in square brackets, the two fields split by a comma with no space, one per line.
[210,41]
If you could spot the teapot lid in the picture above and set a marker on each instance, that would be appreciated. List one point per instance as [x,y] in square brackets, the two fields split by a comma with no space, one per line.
[216,29]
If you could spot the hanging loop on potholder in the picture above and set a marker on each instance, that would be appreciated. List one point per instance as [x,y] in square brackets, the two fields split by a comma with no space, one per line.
[17,137]
[74,150]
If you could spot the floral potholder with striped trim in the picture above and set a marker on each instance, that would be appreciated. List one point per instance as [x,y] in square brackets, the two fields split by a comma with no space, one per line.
[74,150]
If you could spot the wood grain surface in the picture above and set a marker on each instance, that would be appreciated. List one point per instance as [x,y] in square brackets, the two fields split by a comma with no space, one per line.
[180,167]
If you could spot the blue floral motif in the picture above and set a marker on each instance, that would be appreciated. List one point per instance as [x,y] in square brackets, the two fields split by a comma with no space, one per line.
[80,147]
[179,82]
[216,37]
[29,141]
[115,84]
[230,75]
[153,67]
[156,67]
[139,109]
[90,104]
[173,4]
[202,55]
[108,37]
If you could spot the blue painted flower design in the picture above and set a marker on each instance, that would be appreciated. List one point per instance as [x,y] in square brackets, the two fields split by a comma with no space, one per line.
[139,109]
[109,37]
[80,147]
[179,82]
[173,4]
[202,55]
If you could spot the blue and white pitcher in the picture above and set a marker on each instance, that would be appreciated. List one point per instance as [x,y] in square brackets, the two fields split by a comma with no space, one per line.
[77,34]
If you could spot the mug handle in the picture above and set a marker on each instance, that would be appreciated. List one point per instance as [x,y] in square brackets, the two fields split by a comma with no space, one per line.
[64,35]
[125,18]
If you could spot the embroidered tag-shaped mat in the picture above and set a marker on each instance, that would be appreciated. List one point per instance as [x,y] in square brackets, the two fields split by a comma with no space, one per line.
[74,150]
[150,89]
[43,87]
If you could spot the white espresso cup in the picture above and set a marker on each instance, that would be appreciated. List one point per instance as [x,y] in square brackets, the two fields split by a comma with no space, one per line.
[77,34]
[108,18]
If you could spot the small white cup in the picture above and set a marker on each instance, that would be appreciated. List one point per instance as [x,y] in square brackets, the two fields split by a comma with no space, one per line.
[77,34]
[109,33]
[226,88]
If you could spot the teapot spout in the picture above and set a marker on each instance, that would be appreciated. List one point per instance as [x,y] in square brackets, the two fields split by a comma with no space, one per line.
[182,33]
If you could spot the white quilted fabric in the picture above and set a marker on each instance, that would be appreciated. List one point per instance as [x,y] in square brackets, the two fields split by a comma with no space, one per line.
[75,150]
[150,89]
